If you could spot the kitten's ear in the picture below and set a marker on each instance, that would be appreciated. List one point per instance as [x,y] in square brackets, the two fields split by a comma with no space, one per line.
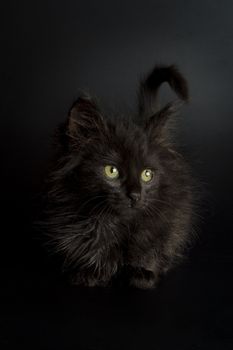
[149,87]
[85,121]
[155,126]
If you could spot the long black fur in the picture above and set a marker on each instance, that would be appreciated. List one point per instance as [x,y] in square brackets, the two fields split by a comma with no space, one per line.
[89,220]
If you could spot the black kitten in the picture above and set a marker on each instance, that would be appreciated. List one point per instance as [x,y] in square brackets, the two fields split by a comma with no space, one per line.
[120,195]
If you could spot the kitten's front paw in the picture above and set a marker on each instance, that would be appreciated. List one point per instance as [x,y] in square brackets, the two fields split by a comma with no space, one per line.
[143,279]
[88,281]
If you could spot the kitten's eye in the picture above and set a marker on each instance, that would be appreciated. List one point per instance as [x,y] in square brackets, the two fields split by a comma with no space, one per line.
[147,175]
[111,172]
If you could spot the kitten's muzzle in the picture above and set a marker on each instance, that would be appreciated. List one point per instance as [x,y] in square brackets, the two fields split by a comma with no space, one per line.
[134,198]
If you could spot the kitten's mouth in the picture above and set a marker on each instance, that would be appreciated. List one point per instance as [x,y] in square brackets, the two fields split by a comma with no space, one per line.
[130,212]
[128,208]
[134,206]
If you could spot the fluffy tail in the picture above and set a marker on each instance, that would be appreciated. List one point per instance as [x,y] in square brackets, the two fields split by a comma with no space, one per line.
[149,87]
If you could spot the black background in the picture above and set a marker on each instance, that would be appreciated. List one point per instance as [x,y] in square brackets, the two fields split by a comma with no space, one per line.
[49,51]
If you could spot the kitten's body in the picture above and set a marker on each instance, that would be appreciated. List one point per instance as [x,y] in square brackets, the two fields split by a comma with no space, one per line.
[101,225]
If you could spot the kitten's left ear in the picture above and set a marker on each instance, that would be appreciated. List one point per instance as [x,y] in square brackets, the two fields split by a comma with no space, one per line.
[85,121]
[155,126]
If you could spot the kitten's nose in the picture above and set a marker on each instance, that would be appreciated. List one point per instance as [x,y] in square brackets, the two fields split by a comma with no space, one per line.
[134,196]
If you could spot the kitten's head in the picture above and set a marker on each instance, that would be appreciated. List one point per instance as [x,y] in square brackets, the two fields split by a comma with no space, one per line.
[122,165]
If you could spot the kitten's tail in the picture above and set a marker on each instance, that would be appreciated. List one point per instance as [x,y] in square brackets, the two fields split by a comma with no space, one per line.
[149,87]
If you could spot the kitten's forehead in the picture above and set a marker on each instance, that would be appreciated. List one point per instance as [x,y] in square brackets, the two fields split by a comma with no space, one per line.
[130,142]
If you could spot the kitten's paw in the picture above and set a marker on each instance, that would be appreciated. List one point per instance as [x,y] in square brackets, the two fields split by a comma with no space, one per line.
[88,281]
[143,279]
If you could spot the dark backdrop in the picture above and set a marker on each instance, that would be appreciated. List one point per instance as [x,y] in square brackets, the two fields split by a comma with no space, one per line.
[49,51]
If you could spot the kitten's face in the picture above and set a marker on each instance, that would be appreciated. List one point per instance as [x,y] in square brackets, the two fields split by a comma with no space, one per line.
[122,171]
[122,167]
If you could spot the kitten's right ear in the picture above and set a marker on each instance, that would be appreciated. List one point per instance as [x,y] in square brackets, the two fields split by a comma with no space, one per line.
[85,121]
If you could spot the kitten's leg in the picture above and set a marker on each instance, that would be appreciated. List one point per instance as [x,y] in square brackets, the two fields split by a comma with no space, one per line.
[99,273]
[143,279]
[88,280]
[144,271]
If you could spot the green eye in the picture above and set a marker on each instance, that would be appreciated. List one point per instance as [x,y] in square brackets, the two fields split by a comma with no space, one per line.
[111,172]
[147,175]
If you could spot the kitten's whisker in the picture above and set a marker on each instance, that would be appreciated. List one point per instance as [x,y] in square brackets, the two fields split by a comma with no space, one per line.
[153,210]
[99,205]
[90,200]
[184,207]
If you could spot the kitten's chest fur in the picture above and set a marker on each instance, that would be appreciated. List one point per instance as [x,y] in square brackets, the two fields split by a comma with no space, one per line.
[125,232]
